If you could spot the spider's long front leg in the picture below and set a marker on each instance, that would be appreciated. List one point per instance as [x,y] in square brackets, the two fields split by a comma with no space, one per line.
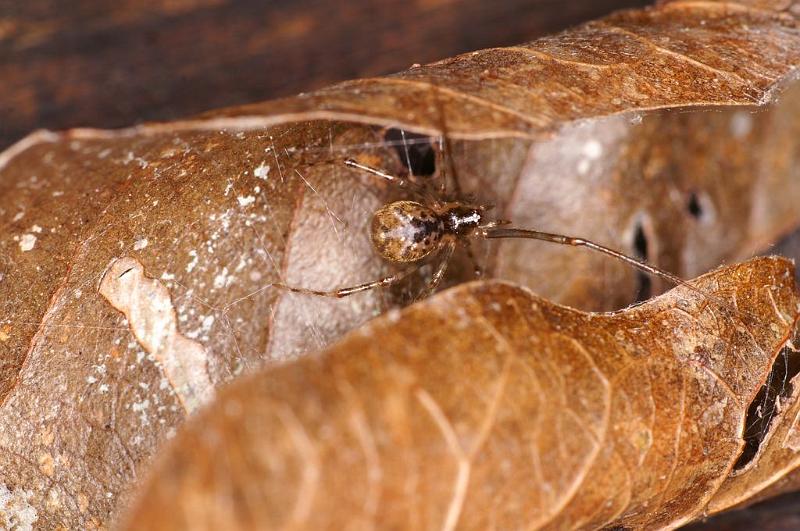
[350,290]
[491,231]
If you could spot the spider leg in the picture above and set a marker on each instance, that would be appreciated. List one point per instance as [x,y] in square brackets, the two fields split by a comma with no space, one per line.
[350,290]
[406,152]
[442,168]
[422,190]
[445,255]
[491,225]
[448,149]
[471,255]
[491,231]
[400,181]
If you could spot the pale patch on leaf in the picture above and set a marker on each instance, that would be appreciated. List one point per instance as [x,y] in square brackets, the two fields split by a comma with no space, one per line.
[147,305]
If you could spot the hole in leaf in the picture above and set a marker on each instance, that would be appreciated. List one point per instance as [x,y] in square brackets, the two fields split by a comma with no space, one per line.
[415,151]
[694,207]
[640,248]
[766,405]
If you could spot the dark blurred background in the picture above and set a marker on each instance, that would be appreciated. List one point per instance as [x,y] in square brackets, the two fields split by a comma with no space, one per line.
[103,63]
[113,63]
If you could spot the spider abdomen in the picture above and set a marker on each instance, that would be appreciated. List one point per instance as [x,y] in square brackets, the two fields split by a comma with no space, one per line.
[406,231]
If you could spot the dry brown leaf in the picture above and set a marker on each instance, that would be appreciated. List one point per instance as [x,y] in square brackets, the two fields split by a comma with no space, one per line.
[684,53]
[206,219]
[488,407]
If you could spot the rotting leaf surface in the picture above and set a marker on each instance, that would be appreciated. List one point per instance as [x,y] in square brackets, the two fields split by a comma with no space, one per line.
[488,407]
[211,210]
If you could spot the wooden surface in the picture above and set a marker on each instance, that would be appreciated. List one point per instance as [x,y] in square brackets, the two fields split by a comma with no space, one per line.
[110,64]
[778,514]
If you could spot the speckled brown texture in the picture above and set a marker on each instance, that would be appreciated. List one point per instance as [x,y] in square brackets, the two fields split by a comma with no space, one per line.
[216,208]
[406,231]
[487,407]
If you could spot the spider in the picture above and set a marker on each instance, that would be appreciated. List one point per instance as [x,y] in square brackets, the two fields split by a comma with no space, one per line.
[416,232]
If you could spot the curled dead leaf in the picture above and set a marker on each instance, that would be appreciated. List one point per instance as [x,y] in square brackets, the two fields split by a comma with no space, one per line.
[213,210]
[488,407]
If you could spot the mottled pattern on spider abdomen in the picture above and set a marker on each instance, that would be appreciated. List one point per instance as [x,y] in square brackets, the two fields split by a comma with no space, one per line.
[406,231]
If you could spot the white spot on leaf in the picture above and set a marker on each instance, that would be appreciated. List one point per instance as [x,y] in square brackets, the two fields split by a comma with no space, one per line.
[191,265]
[741,124]
[27,242]
[593,149]
[261,171]
[223,279]
[15,511]
[141,407]
[244,201]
